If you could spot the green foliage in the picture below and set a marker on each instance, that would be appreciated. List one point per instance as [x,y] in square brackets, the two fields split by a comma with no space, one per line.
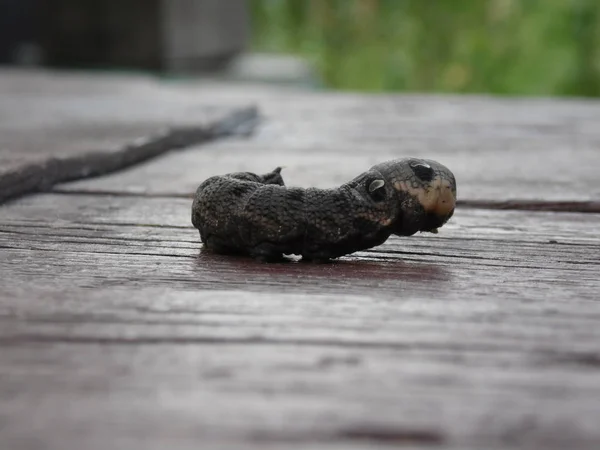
[513,47]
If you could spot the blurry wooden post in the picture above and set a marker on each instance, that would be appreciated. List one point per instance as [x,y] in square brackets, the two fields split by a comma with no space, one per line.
[170,35]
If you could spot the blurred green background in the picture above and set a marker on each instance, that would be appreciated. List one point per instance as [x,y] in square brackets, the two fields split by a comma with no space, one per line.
[508,47]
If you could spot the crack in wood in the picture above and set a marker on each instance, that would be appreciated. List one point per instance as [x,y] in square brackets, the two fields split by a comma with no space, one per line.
[395,436]
[97,252]
[533,205]
[108,193]
[363,433]
[515,205]
[367,256]
[40,177]
[16,338]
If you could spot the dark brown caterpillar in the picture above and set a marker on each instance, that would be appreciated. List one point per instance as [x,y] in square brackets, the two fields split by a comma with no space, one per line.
[257,215]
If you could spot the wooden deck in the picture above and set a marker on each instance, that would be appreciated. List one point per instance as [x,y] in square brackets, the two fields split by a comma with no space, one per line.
[118,331]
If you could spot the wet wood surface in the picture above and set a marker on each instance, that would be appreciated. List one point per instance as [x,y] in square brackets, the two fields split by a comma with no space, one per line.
[118,331]
[57,127]
[499,149]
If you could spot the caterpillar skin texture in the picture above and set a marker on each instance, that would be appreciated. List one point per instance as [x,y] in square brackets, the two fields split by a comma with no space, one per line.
[257,215]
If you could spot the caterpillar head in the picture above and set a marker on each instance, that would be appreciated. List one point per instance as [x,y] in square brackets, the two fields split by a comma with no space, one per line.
[418,194]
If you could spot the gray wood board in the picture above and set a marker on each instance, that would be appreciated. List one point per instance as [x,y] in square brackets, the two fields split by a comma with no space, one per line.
[56,127]
[484,336]
[499,149]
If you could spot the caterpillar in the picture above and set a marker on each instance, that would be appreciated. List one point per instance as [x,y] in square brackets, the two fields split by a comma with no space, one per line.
[258,215]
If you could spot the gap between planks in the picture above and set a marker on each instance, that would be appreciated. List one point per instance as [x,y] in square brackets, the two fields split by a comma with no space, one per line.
[515,205]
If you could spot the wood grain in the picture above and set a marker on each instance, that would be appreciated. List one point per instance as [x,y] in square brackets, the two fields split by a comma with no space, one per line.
[484,336]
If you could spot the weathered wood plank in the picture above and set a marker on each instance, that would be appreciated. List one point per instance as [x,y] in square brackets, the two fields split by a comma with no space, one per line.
[57,127]
[547,256]
[220,393]
[533,255]
[286,381]
[499,149]
[404,303]
[484,336]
